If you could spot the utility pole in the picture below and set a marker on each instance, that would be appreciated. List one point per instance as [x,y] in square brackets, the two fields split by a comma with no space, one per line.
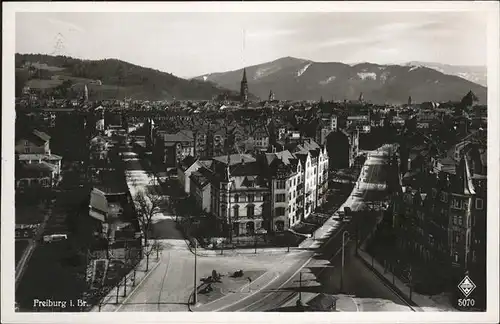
[300,286]
[342,269]
[195,290]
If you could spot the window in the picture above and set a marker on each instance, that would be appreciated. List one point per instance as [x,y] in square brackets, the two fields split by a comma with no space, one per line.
[456,204]
[236,198]
[236,211]
[456,257]
[27,149]
[466,205]
[250,211]
[280,198]
[479,203]
[280,184]
[280,211]
[459,220]
[457,237]
[454,220]
[251,197]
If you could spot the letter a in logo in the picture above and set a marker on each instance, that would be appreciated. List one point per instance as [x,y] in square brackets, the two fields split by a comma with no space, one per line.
[466,286]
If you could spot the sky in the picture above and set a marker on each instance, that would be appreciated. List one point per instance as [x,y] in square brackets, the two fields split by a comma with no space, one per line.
[195,43]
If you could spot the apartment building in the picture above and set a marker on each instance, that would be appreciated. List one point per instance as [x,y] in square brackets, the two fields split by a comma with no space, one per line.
[441,218]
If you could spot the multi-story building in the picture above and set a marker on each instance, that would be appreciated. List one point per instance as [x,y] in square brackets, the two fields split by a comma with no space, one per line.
[326,126]
[441,218]
[38,167]
[170,149]
[238,195]
[258,140]
[315,161]
[200,188]
[359,122]
[283,173]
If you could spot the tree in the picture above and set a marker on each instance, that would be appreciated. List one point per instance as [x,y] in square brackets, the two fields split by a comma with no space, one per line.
[147,205]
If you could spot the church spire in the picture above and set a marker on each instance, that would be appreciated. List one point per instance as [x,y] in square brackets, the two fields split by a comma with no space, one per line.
[244,87]
[271,95]
[244,79]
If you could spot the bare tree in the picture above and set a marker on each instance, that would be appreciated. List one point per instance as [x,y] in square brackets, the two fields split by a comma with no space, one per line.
[147,205]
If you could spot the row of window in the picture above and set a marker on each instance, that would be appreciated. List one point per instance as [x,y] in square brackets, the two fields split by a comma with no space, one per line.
[250,211]
[242,198]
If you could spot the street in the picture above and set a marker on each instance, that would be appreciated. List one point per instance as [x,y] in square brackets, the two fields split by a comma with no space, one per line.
[362,290]
[170,286]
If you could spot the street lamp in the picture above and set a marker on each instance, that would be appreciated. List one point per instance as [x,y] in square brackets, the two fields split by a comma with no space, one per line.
[195,290]
[346,233]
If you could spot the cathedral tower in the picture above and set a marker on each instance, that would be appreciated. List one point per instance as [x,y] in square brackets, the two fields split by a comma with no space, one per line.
[244,87]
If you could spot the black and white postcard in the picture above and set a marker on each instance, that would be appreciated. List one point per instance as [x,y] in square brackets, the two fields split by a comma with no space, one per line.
[302,162]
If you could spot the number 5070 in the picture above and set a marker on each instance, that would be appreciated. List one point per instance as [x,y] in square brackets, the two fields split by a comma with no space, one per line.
[466,302]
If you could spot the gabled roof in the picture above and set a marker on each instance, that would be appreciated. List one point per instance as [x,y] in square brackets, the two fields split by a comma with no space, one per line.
[43,136]
[201,177]
[187,162]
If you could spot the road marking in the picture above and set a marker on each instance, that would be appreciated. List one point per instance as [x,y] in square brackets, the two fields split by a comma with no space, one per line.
[163,280]
[301,267]
[355,304]
[236,302]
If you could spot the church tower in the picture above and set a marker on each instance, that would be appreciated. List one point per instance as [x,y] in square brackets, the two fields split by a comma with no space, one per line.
[86,94]
[244,87]
[271,95]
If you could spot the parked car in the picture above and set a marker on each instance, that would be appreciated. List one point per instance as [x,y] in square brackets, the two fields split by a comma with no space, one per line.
[54,238]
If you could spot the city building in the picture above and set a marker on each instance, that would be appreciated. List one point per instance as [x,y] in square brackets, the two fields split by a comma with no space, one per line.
[284,176]
[110,208]
[326,126]
[238,194]
[37,165]
[200,188]
[186,167]
[360,123]
[440,218]
[170,149]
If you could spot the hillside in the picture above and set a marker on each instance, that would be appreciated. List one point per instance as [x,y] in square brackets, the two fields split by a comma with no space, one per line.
[476,74]
[106,79]
[297,79]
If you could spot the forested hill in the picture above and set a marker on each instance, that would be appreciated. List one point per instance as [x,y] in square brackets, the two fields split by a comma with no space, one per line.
[108,78]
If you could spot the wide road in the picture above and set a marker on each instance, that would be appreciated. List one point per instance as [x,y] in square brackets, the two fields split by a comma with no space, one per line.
[320,273]
[170,285]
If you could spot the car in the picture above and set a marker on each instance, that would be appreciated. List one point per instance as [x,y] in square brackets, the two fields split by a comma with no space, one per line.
[54,238]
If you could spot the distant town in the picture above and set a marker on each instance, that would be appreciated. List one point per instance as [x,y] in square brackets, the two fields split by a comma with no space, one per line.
[119,203]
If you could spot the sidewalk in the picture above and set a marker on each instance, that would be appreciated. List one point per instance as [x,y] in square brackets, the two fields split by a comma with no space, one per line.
[241,251]
[109,303]
[423,303]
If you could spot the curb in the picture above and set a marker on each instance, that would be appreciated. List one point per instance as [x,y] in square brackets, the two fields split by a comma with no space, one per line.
[109,296]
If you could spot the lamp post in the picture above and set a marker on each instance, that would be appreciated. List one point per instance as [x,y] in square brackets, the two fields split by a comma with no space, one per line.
[195,290]
[342,269]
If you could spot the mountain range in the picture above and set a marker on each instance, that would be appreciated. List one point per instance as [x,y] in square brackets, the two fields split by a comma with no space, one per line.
[289,78]
[108,79]
[299,79]
[476,74]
